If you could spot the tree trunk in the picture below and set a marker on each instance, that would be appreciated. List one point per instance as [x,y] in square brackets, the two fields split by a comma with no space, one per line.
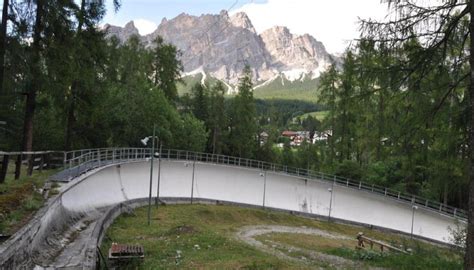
[35,80]
[3,38]
[70,121]
[18,167]
[3,171]
[70,117]
[469,256]
[380,129]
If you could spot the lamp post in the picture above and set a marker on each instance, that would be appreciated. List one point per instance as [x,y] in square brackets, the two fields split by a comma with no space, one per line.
[331,189]
[192,177]
[159,175]
[414,207]
[192,180]
[264,175]
[145,142]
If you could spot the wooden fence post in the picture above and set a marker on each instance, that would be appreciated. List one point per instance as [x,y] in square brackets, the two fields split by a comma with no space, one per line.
[3,171]
[18,167]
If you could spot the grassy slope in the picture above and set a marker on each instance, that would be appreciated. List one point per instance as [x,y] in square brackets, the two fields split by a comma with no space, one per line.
[181,227]
[19,199]
[305,90]
[297,90]
[188,83]
[320,115]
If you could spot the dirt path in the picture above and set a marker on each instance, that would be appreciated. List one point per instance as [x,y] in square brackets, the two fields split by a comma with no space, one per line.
[248,235]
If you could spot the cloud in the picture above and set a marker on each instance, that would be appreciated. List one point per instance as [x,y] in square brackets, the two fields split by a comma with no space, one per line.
[333,22]
[145,26]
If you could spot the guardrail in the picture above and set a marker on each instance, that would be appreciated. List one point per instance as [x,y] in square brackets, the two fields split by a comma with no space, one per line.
[80,161]
[33,160]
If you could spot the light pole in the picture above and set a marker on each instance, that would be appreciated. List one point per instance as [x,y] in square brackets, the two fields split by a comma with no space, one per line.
[414,207]
[145,142]
[192,177]
[159,175]
[264,175]
[331,190]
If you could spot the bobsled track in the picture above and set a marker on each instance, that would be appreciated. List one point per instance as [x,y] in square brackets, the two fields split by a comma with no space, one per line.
[102,183]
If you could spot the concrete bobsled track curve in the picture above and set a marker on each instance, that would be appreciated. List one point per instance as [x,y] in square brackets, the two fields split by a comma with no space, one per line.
[58,236]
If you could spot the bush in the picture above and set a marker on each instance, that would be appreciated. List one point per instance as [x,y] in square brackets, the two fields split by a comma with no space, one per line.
[458,235]
[32,203]
[349,169]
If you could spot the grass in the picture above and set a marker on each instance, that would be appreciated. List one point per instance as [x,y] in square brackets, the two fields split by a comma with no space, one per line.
[191,80]
[188,83]
[320,115]
[203,237]
[422,258]
[20,199]
[305,90]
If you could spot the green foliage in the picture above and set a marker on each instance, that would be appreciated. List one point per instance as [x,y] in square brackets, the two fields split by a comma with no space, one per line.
[212,228]
[458,236]
[166,68]
[217,118]
[348,169]
[200,100]
[19,199]
[400,129]
[192,134]
[243,133]
[422,258]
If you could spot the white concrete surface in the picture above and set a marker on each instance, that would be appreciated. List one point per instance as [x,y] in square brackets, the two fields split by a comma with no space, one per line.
[116,184]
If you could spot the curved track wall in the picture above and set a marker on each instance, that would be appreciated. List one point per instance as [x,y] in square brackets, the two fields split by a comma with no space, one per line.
[85,199]
[119,183]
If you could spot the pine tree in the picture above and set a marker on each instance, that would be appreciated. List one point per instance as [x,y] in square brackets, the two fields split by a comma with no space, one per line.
[166,68]
[243,133]
[217,118]
[200,101]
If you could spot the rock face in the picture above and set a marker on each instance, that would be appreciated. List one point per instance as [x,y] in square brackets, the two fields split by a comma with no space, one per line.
[122,33]
[293,54]
[221,45]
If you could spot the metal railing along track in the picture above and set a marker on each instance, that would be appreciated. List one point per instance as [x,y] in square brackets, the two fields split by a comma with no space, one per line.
[80,161]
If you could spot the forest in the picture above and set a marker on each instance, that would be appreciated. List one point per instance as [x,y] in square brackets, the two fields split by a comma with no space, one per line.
[399,107]
[66,86]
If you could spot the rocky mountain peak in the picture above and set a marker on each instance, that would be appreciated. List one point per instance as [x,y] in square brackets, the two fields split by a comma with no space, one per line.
[224,14]
[122,34]
[294,52]
[221,45]
[130,27]
[277,30]
[241,20]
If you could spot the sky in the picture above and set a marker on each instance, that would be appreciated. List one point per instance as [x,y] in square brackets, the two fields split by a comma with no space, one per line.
[333,22]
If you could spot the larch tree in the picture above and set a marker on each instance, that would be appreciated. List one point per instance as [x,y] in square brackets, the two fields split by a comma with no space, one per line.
[217,117]
[441,29]
[243,133]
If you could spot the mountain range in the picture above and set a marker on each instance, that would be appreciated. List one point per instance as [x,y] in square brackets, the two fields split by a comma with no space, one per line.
[220,45]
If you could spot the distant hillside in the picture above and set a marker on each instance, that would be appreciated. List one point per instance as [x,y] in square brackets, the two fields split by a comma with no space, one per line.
[278,88]
[282,88]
